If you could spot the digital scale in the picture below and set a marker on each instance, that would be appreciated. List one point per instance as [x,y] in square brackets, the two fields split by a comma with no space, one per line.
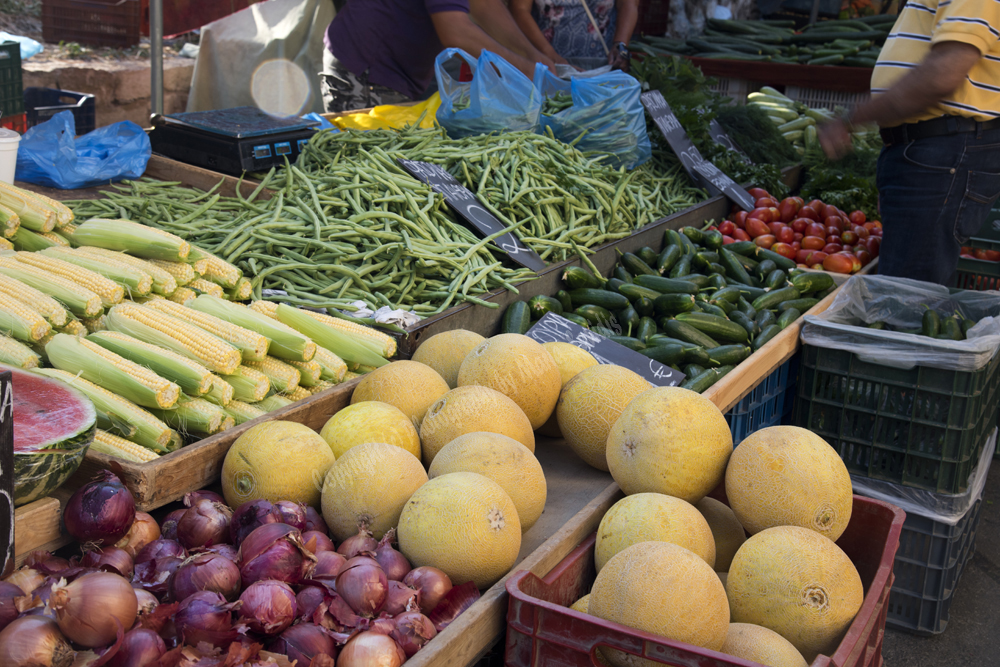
[231,140]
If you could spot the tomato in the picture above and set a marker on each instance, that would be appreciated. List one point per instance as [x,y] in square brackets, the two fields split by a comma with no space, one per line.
[849,238]
[857,262]
[785,234]
[740,219]
[993,255]
[809,212]
[757,193]
[813,242]
[833,231]
[784,249]
[763,214]
[966,250]
[832,221]
[832,248]
[814,229]
[848,248]
[800,224]
[726,240]
[861,232]
[727,228]
[789,208]
[798,201]
[877,232]
[837,263]
[966,255]
[858,217]
[979,253]
[817,258]
[756,228]
[876,223]
[765,202]
[872,245]
[797,245]
[817,206]
[765,240]
[776,227]
[818,266]
[863,256]
[869,226]
[741,235]
[797,236]
[802,256]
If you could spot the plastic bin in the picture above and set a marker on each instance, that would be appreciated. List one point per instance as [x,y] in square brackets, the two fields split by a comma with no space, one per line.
[766,404]
[979,274]
[43,103]
[921,427]
[542,630]
[827,99]
[11,86]
[92,22]
[737,89]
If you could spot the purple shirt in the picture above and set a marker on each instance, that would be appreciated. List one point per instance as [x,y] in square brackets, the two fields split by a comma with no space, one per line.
[394,40]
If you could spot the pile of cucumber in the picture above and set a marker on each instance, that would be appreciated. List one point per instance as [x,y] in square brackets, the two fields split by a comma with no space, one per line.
[698,306]
[935,325]
[795,120]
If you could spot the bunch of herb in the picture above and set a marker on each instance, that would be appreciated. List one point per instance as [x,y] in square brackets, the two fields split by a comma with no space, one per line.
[848,183]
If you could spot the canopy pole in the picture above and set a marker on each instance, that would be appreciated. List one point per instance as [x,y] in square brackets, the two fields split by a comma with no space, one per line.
[813,15]
[156,57]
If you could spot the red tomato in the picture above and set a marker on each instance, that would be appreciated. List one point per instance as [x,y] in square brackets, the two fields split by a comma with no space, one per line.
[802,256]
[876,232]
[833,230]
[966,255]
[756,228]
[838,263]
[776,227]
[876,224]
[857,262]
[765,202]
[784,249]
[833,238]
[727,228]
[798,201]
[817,257]
[797,245]
[757,193]
[797,236]
[741,235]
[817,206]
[740,219]
[863,256]
[726,240]
[809,212]
[831,248]
[789,209]
[800,224]
[858,217]
[979,253]
[765,240]
[813,242]
[815,229]
[967,250]
[818,266]
[785,234]
[763,214]
[861,232]
[849,238]
[832,221]
[993,255]
[872,245]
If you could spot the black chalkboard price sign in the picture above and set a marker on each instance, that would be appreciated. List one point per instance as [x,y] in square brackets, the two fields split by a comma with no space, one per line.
[7,472]
[466,205]
[555,329]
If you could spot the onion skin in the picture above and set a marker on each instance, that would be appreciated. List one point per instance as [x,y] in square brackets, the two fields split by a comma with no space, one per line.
[206,572]
[147,601]
[316,542]
[205,617]
[9,593]
[46,563]
[393,563]
[361,543]
[140,647]
[227,551]
[398,598]
[26,578]
[432,583]
[101,511]
[161,548]
[273,551]
[363,585]
[109,559]
[413,631]
[268,606]
[194,496]
[308,600]
[87,608]
[371,648]
[303,642]
[34,641]
[204,524]
[168,529]
[154,575]
[250,516]
[291,513]
[315,521]
[144,530]
[328,565]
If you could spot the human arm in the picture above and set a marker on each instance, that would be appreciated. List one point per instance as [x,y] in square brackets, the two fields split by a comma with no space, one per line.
[628,16]
[520,10]
[494,17]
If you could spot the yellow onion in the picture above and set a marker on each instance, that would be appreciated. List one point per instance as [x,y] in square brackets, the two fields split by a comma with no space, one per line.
[34,641]
[26,578]
[86,608]
[143,531]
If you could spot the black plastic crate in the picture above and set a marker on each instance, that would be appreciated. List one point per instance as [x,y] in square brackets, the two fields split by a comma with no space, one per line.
[11,85]
[979,274]
[92,22]
[921,427]
[765,405]
[44,103]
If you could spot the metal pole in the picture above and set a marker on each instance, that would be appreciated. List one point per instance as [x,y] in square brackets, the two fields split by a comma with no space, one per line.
[156,56]
[813,15]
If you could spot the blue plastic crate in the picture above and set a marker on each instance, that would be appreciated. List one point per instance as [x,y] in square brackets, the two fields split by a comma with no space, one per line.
[766,404]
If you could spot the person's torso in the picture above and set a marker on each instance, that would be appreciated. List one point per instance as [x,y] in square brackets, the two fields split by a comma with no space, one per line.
[909,43]
[568,28]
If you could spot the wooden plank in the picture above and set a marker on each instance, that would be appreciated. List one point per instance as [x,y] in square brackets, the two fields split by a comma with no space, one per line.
[38,525]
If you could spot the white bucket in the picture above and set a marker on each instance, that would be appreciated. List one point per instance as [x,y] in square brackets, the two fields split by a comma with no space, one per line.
[9,139]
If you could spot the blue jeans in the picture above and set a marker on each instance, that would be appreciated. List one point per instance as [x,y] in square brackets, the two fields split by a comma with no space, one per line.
[934,194]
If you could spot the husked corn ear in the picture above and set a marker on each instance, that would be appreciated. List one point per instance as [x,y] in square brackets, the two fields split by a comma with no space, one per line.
[217,270]
[242,412]
[150,297]
[321,386]
[202,286]
[149,431]
[221,392]
[346,346]
[64,214]
[194,416]
[309,371]
[59,241]
[31,212]
[248,384]
[242,291]
[29,241]
[135,282]
[199,266]
[182,295]
[20,321]
[162,330]
[286,342]
[109,291]
[9,222]
[252,345]
[297,394]
[135,239]
[332,367]
[110,444]
[5,244]
[282,376]
[67,230]
[74,327]
[95,324]
[182,273]
[19,355]
[163,282]
[349,375]
[269,308]
[44,304]
[75,297]
[227,423]
[273,402]
[384,344]
[193,378]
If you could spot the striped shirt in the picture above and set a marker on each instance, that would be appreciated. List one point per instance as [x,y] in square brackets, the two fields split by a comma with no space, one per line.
[924,23]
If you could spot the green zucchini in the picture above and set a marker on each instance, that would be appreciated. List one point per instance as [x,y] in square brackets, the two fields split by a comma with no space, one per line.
[807,282]
[636,266]
[621,274]
[775,279]
[775,297]
[719,328]
[647,255]
[576,319]
[802,305]
[930,324]
[788,317]
[594,314]
[686,332]
[682,267]
[564,299]
[629,342]
[646,328]
[517,318]
[644,306]
[665,354]
[636,292]
[766,334]
[541,304]
[671,304]
[729,355]
[668,258]
[667,285]
[733,267]
[577,278]
[598,297]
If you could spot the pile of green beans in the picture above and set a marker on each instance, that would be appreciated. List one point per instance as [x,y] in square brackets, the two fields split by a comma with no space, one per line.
[556,103]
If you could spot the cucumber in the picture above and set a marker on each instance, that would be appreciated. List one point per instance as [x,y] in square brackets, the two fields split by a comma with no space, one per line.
[750,264]
[576,319]
[671,304]
[682,267]
[815,281]
[636,266]
[646,328]
[719,328]
[930,324]
[594,314]
[635,292]
[748,291]
[788,317]
[693,369]
[765,268]
[517,318]
[672,237]
[702,381]
[775,297]
[745,322]
[775,279]
[695,235]
[667,285]
[564,299]
[765,318]
[877,325]
[729,355]
[686,332]
[647,255]
[615,285]
[801,305]
[951,328]
[766,334]
[699,280]
[717,282]
[577,278]
[800,123]
[619,273]
[629,318]
[712,309]
[603,331]
[745,248]
[696,354]
[663,339]
[687,245]
[630,343]
[665,354]
[668,258]
[644,306]
[598,297]
[966,325]
[782,261]
[713,239]
[726,306]
[733,267]
[746,308]
[541,304]
[717,269]
[704,259]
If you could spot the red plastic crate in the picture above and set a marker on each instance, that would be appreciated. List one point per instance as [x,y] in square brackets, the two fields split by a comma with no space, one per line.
[543,632]
[18,123]
[92,22]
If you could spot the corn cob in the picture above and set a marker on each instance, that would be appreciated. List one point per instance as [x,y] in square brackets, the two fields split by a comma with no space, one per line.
[249,384]
[242,291]
[217,270]
[273,402]
[77,299]
[332,367]
[133,238]
[163,282]
[321,386]
[383,344]
[194,416]
[297,394]
[199,266]
[281,376]
[95,324]
[150,297]
[63,214]
[149,431]
[251,344]
[66,230]
[309,371]
[286,343]
[243,412]
[22,322]
[19,355]
[135,282]
[344,345]
[193,378]
[109,291]
[59,241]
[46,306]
[29,241]
[221,392]
[74,327]
[269,308]
[202,286]
[9,222]
[32,214]
[182,273]
[6,245]
[349,375]
[227,423]
[110,444]
[182,295]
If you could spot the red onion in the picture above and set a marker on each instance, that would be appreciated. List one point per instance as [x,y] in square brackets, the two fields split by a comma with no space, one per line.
[154,575]
[46,563]
[308,600]
[87,609]
[363,542]
[144,530]
[398,598]
[168,529]
[34,641]
[100,511]
[250,516]
[141,647]
[328,565]
[413,631]
[204,524]
[109,559]
[9,593]
[457,600]
[227,551]
[206,572]
[273,551]
[205,617]
[393,563]
[291,513]
[432,583]
[160,549]
[382,625]
[316,541]
[194,496]
[314,521]
[303,642]
[362,584]
[147,601]
[268,606]
[371,648]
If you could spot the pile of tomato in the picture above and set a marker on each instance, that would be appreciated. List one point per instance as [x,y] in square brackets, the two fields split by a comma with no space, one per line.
[969,252]
[814,235]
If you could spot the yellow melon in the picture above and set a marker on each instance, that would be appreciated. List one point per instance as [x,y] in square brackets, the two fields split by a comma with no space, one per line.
[519,368]
[369,484]
[669,440]
[758,644]
[409,385]
[445,351]
[463,524]
[570,360]
[653,517]
[789,476]
[798,583]
[663,589]
[591,403]
[370,421]
[276,460]
[726,530]
[504,460]
[581,604]
[472,409]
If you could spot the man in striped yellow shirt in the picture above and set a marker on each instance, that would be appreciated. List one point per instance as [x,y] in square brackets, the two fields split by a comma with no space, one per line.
[936,98]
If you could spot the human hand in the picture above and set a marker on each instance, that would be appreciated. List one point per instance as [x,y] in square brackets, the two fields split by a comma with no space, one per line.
[835,138]
[619,57]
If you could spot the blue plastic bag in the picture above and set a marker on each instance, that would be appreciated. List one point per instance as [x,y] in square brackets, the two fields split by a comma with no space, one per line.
[606,110]
[499,97]
[50,155]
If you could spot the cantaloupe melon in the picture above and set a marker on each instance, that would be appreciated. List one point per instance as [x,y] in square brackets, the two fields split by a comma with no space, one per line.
[798,583]
[582,604]
[519,368]
[370,421]
[504,460]
[463,524]
[663,589]
[758,644]
[472,409]
[669,440]
[274,461]
[789,476]
[445,351]
[571,360]
[653,517]
[591,403]
[726,530]
[369,484]
[409,385]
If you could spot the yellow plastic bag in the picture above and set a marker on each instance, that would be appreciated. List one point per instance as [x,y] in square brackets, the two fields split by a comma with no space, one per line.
[389,116]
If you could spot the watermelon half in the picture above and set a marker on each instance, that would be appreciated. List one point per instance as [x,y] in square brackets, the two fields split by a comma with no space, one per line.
[53,426]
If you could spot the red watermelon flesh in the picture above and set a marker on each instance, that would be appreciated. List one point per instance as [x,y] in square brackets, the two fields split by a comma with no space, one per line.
[47,412]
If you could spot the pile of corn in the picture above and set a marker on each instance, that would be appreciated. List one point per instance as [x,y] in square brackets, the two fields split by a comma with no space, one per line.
[146,326]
